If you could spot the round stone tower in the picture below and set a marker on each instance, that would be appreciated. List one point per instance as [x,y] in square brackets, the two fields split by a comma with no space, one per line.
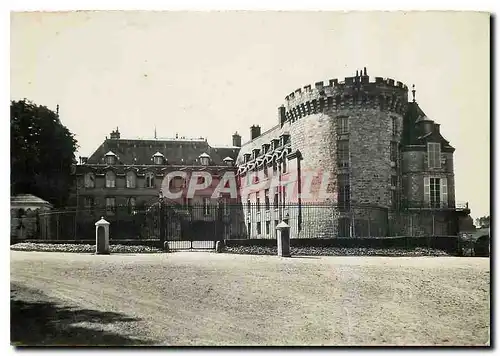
[350,131]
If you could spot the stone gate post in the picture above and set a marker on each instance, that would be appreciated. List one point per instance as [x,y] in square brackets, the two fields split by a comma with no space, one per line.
[102,237]
[283,239]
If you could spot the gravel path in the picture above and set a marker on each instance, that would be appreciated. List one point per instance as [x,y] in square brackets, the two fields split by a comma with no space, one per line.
[200,298]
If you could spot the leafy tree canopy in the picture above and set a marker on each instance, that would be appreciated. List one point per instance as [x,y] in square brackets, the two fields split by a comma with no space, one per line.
[42,153]
[483,221]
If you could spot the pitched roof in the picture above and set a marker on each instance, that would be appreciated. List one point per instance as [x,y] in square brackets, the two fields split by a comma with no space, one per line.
[418,129]
[176,151]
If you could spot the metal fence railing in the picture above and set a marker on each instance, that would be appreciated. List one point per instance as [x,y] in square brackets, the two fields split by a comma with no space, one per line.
[244,221]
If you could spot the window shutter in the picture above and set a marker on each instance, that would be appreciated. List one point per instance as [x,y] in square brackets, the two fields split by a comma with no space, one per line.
[427,190]
[444,192]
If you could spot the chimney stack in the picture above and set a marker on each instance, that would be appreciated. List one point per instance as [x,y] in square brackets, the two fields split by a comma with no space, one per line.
[236,139]
[115,135]
[254,132]
[282,114]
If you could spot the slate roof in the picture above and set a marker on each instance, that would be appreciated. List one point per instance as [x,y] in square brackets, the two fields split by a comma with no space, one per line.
[177,151]
[414,123]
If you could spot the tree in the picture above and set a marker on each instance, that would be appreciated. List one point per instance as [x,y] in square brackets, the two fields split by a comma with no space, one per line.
[42,153]
[483,221]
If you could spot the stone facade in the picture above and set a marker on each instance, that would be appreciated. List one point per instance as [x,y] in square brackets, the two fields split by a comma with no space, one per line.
[370,144]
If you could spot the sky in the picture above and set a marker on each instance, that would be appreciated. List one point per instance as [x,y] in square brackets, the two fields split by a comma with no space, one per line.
[209,74]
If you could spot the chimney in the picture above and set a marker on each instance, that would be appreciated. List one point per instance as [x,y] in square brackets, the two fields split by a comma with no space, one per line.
[115,135]
[281,115]
[254,132]
[236,139]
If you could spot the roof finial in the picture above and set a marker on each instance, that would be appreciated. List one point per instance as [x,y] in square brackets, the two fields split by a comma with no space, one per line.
[413,92]
[155,132]
[57,110]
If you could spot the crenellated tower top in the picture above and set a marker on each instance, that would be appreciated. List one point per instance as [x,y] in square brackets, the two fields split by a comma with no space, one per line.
[359,91]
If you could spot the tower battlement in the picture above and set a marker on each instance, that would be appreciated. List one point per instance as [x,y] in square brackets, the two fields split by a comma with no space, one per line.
[358,91]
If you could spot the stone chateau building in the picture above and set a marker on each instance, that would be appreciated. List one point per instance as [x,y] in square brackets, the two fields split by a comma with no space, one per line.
[386,167]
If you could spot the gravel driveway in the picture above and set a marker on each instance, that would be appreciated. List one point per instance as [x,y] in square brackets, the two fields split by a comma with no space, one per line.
[202,298]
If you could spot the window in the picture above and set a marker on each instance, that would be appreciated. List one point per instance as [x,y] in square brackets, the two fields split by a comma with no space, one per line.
[110,159]
[259,230]
[131,179]
[110,206]
[394,198]
[394,152]
[110,179]
[88,203]
[225,208]
[268,227]
[158,159]
[266,193]
[275,167]
[394,181]
[131,205]
[249,229]
[258,201]
[89,180]
[342,125]
[436,191]
[283,194]
[344,193]
[434,154]
[394,126]
[343,153]
[206,206]
[204,161]
[150,180]
[284,165]
[276,198]
[248,204]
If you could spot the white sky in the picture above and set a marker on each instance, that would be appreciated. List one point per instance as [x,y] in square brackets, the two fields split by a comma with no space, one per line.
[211,74]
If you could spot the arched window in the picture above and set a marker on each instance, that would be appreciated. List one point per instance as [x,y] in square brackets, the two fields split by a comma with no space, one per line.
[131,179]
[89,180]
[150,180]
[110,179]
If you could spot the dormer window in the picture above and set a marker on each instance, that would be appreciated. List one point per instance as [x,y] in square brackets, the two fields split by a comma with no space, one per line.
[204,159]
[228,161]
[110,158]
[285,138]
[158,158]
[247,157]
[274,144]
[255,152]
[265,147]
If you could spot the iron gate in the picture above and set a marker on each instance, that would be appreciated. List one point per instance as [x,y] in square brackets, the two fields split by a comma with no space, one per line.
[186,227]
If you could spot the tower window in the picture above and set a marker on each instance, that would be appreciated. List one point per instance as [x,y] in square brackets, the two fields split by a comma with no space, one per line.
[394,151]
[394,126]
[434,154]
[342,125]
[343,153]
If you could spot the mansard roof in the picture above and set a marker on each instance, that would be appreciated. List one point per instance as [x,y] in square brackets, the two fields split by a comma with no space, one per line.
[176,151]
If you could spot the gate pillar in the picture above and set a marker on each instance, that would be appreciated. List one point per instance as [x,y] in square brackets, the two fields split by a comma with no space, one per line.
[102,237]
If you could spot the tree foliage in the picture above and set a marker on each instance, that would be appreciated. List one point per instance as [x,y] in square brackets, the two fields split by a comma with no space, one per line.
[42,153]
[483,221]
